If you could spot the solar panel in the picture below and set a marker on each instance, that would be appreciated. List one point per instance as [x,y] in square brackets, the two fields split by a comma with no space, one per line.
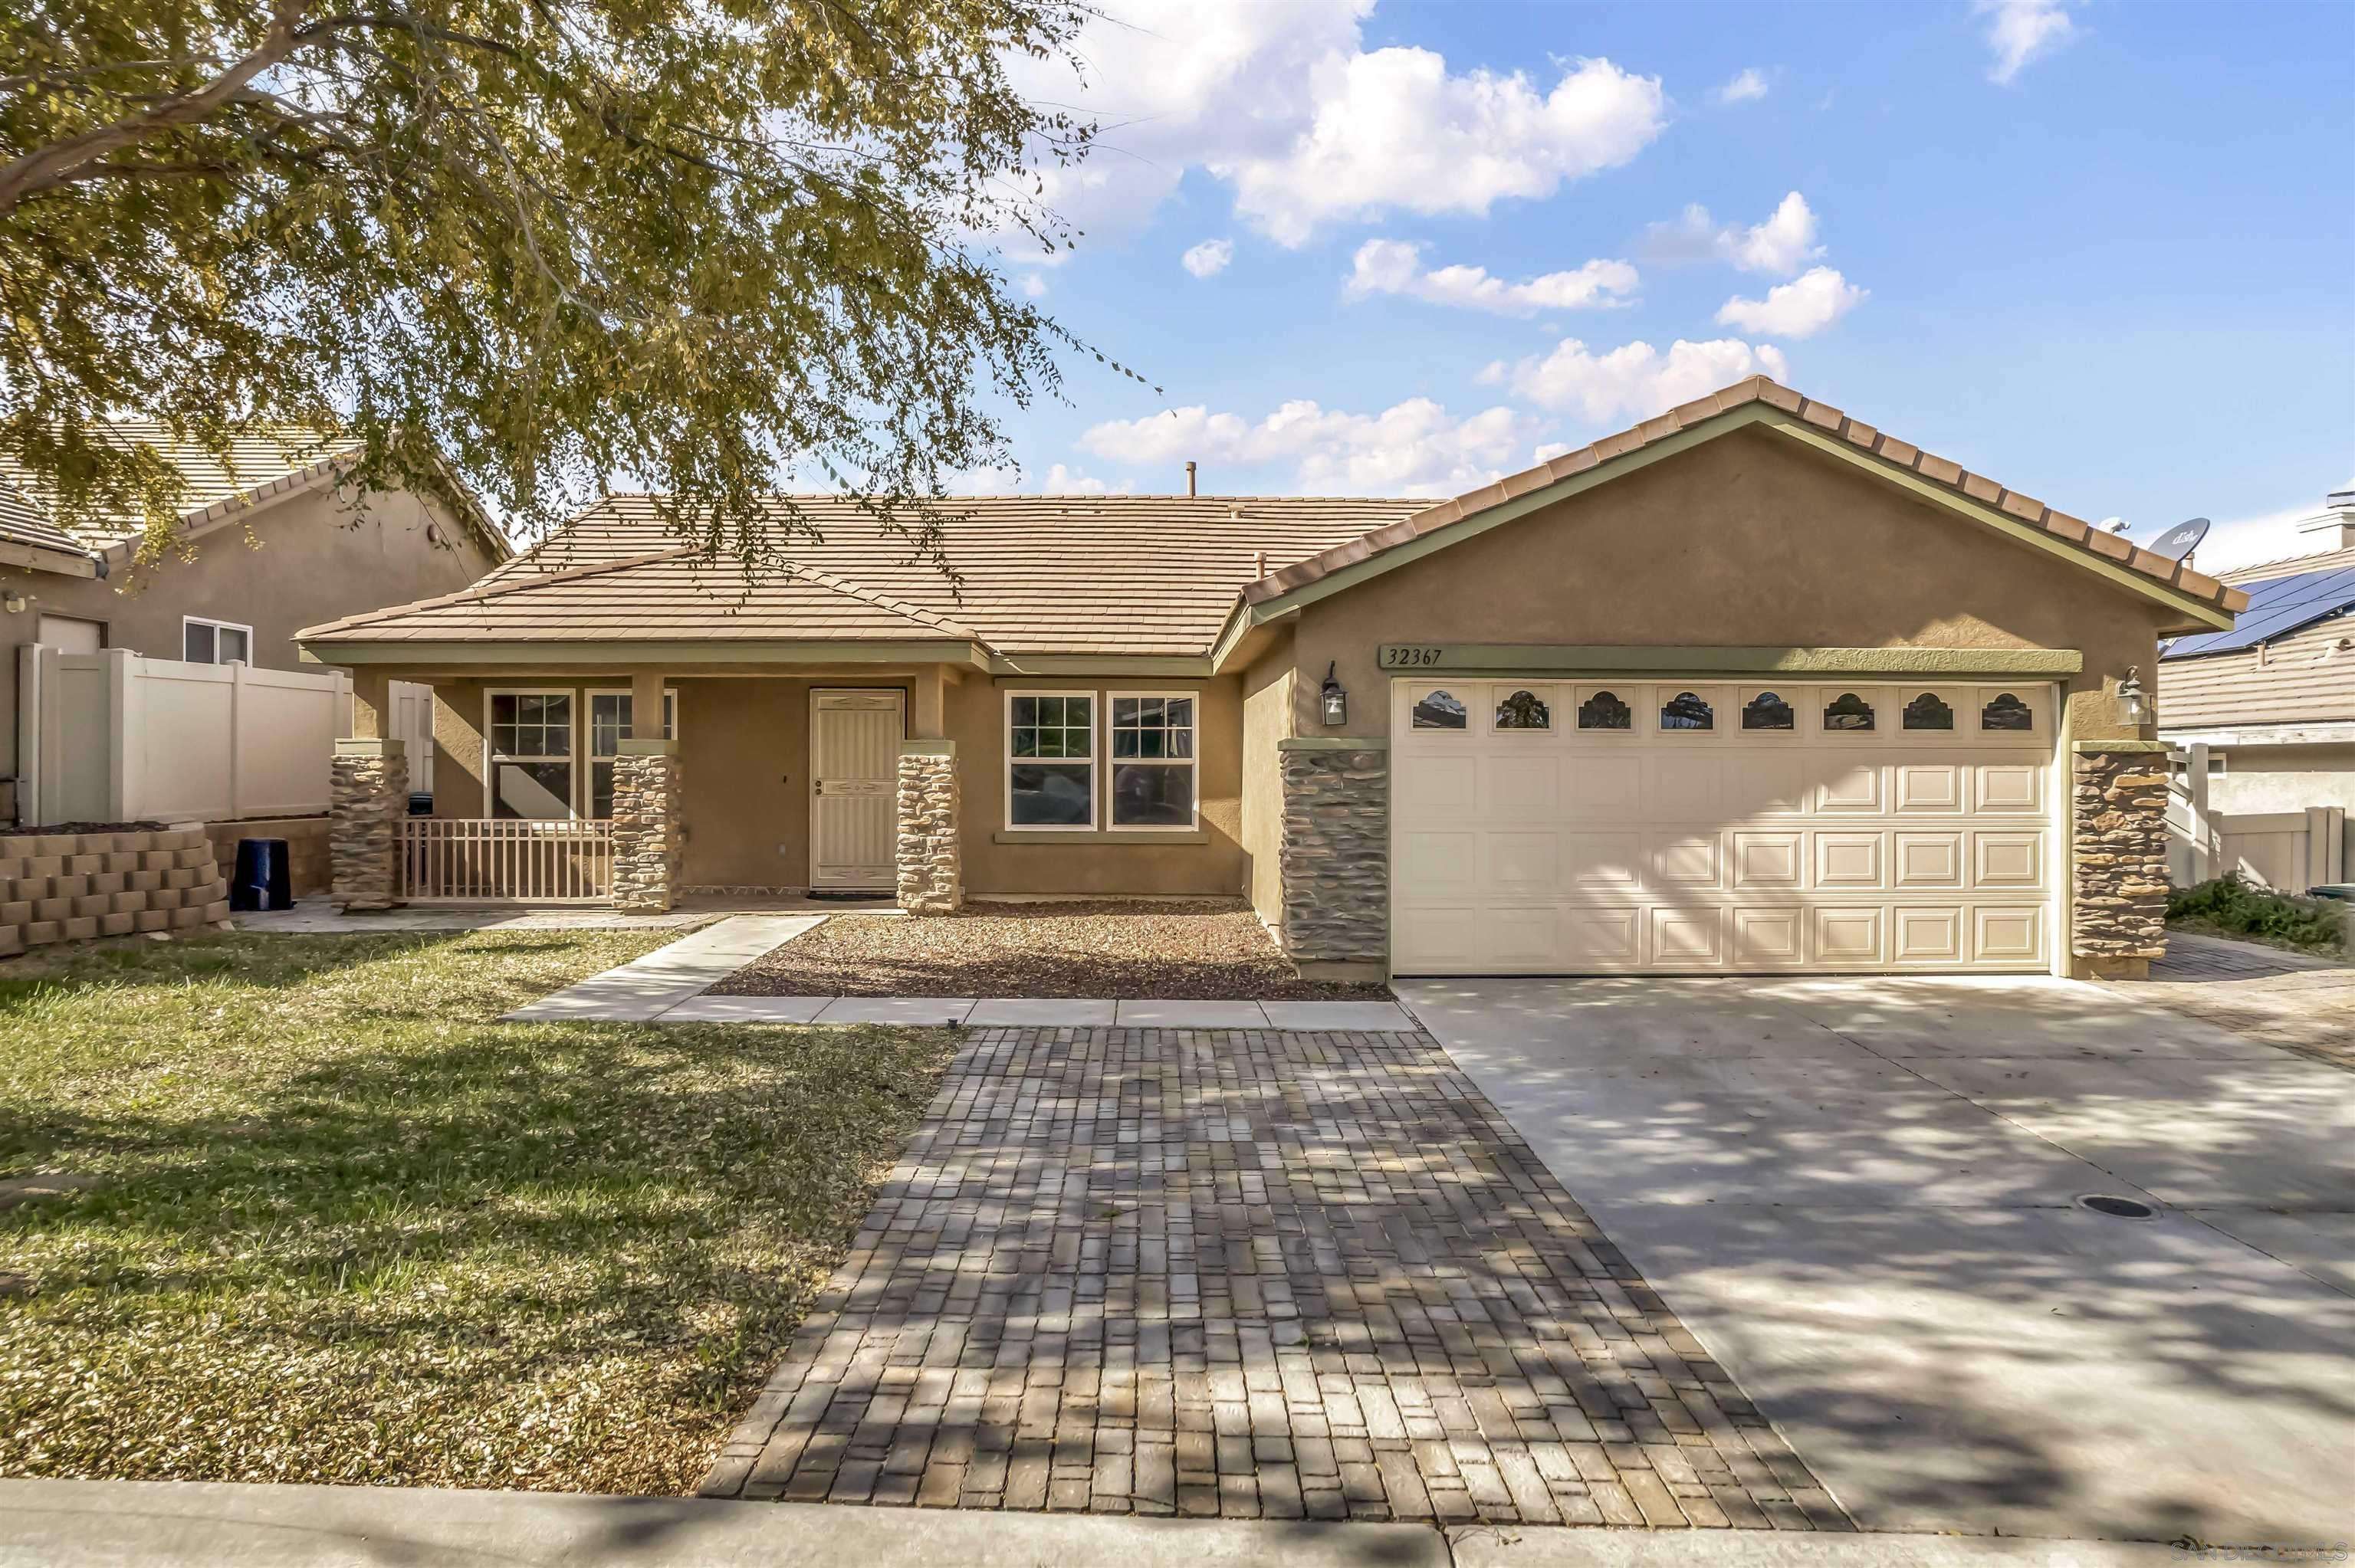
[2276,606]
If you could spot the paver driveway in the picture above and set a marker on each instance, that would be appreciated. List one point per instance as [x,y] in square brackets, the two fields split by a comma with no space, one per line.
[1859,1193]
[1253,1274]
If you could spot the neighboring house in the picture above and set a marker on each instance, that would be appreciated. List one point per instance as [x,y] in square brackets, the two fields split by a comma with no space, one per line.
[2274,698]
[1750,686]
[271,546]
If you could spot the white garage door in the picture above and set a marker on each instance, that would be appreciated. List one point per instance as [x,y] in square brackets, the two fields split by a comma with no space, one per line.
[1591,827]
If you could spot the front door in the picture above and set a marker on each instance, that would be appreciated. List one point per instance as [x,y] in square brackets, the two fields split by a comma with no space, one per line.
[854,786]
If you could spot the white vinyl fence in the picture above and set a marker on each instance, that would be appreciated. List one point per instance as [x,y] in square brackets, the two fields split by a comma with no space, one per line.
[116,737]
[2288,852]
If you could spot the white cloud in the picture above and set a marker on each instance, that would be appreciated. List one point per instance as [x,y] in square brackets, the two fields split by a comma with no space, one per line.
[1799,309]
[1033,285]
[1395,267]
[1778,247]
[1634,381]
[2020,31]
[1006,479]
[1280,98]
[1745,88]
[1415,448]
[1208,259]
[2261,537]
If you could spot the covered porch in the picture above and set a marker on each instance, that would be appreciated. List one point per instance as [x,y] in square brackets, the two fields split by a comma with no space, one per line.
[647,787]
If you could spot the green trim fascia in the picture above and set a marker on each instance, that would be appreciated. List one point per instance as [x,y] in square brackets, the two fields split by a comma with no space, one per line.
[1334,743]
[2125,577]
[1116,666]
[929,747]
[2119,746]
[626,655]
[1111,837]
[1505,512]
[1506,659]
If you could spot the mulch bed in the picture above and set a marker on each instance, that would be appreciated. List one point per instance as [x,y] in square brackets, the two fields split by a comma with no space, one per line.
[1207,951]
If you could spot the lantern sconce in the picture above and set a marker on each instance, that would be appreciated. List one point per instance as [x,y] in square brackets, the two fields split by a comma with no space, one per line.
[1336,699]
[2133,710]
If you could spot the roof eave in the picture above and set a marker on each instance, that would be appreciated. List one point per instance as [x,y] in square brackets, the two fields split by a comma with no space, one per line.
[47,558]
[490,654]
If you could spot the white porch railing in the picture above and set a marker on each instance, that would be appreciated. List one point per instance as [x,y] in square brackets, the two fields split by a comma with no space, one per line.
[476,860]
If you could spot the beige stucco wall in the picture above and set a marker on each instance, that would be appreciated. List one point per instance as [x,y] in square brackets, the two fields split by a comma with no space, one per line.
[1749,540]
[2259,778]
[1267,718]
[310,558]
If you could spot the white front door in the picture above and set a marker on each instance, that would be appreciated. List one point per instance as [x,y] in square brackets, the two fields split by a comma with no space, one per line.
[853,788]
[1599,825]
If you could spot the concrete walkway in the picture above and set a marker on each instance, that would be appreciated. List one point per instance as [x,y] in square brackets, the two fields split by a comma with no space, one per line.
[148,1524]
[668,986]
[1860,1192]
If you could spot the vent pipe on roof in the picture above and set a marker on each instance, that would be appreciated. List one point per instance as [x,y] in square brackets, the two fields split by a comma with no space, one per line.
[2333,528]
[1189,479]
[1259,565]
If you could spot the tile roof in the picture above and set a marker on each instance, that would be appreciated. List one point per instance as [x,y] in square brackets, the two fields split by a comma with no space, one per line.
[1757,390]
[261,465]
[21,523]
[2289,565]
[1115,574]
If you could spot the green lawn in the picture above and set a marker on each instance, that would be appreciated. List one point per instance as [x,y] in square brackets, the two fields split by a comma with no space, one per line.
[349,1229]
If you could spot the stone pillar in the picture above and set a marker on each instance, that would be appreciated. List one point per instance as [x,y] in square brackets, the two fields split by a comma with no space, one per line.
[931,855]
[369,799]
[2118,843]
[1335,856]
[648,844]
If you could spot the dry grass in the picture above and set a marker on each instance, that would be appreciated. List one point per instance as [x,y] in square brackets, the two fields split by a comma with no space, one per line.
[349,1229]
[1213,949]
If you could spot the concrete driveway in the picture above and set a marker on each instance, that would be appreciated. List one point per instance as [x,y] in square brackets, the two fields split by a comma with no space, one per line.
[1859,1194]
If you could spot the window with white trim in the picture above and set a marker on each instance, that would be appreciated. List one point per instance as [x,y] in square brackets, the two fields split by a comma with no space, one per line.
[215,642]
[609,725]
[1051,761]
[533,746]
[1152,759]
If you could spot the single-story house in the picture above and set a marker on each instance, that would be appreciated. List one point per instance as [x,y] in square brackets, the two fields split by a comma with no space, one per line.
[267,546]
[1751,686]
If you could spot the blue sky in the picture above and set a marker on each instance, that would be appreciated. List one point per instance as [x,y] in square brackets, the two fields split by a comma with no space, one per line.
[2102,252]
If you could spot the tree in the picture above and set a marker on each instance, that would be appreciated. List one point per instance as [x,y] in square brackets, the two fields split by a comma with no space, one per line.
[529,248]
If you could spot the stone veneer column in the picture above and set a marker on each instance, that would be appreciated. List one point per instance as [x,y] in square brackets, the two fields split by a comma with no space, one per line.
[930,857]
[1335,855]
[647,841]
[367,797]
[2118,839]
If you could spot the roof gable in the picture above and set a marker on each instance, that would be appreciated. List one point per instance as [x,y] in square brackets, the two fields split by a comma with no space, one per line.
[1758,402]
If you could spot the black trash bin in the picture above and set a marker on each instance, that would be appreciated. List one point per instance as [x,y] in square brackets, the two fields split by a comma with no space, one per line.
[263,880]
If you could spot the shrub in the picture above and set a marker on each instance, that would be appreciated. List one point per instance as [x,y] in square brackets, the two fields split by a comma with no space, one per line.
[2231,904]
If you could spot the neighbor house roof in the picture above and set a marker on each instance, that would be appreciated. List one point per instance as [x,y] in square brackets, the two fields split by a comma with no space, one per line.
[27,538]
[1147,575]
[1121,574]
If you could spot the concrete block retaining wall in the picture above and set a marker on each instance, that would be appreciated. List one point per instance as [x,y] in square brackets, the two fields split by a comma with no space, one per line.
[72,887]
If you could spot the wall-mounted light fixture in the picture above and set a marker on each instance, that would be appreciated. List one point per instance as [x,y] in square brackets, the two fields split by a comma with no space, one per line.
[1335,698]
[14,602]
[2131,709]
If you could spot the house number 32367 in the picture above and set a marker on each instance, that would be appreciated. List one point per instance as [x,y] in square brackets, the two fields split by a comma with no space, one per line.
[1404,658]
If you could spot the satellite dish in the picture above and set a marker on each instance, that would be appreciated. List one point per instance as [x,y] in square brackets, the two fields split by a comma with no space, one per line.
[2178,543]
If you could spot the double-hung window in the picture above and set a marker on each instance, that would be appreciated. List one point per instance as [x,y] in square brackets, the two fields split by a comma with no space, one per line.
[215,642]
[609,725]
[532,744]
[1051,761]
[1151,761]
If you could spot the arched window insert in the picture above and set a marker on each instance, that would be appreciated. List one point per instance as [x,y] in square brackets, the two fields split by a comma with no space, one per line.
[1687,710]
[2007,712]
[1926,712]
[1524,710]
[1848,712]
[1767,710]
[1439,710]
[1603,710]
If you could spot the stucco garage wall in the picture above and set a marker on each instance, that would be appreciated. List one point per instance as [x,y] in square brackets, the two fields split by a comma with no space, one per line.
[1132,862]
[1747,540]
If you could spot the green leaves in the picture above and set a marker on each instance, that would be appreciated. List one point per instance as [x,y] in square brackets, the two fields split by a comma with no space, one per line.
[533,252]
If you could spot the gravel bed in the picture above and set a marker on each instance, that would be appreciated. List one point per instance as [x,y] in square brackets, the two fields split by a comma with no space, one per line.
[1211,950]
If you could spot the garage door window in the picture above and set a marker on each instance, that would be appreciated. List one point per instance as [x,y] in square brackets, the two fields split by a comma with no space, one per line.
[1926,712]
[1687,710]
[2007,712]
[1603,710]
[1767,710]
[1438,710]
[1524,710]
[1848,712]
